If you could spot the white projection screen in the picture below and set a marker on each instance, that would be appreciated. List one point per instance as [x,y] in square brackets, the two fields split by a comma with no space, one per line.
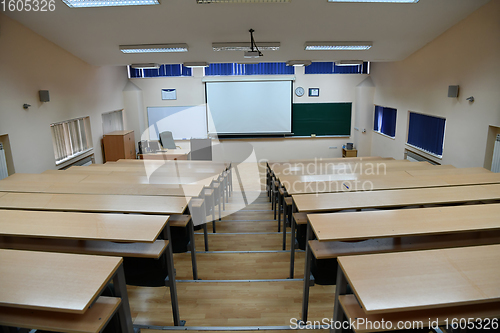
[249,107]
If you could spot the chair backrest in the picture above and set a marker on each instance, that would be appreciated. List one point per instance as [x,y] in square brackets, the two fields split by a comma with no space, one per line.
[201,149]
[167,140]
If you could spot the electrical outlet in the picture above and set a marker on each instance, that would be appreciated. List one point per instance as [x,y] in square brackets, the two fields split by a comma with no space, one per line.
[332,147]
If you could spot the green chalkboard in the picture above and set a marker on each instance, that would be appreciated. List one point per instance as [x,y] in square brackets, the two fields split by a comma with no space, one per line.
[321,119]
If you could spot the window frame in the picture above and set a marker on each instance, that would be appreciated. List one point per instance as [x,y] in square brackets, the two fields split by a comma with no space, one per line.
[64,135]
[423,150]
[379,131]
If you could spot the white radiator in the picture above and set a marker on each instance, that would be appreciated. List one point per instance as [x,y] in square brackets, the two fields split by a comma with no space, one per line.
[3,164]
[495,164]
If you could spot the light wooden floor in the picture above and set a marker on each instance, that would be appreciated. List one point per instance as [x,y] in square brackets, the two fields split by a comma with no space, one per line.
[249,228]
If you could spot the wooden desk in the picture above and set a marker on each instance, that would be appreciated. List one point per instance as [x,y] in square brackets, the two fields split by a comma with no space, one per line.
[315,168]
[444,171]
[171,154]
[82,226]
[356,226]
[203,179]
[47,178]
[95,203]
[393,282]
[296,186]
[188,190]
[329,202]
[66,285]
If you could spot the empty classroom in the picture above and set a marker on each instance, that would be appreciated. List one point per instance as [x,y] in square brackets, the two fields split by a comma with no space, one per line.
[244,165]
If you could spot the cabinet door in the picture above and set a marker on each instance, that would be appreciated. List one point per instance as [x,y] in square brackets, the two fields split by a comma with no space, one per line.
[129,145]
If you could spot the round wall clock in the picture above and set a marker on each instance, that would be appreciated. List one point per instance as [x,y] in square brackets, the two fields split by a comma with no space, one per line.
[299,91]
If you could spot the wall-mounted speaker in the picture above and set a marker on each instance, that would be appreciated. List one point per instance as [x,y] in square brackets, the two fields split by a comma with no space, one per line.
[453,91]
[44,95]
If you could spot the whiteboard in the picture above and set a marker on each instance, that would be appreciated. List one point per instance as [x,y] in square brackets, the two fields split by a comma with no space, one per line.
[250,107]
[185,122]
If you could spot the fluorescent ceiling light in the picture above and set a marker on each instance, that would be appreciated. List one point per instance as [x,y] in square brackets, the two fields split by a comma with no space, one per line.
[338,46]
[154,48]
[195,64]
[242,1]
[348,62]
[108,3]
[386,1]
[298,62]
[145,66]
[245,46]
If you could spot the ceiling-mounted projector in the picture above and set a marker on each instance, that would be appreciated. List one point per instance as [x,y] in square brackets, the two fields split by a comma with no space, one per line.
[252,54]
[254,50]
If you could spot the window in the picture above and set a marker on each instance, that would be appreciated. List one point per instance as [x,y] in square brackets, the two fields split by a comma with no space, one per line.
[385,121]
[332,68]
[71,138]
[163,71]
[112,121]
[264,68]
[426,133]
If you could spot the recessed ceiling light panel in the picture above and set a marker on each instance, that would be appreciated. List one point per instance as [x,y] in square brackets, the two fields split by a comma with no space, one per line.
[242,1]
[244,46]
[298,62]
[384,1]
[338,46]
[108,3]
[195,64]
[145,66]
[154,48]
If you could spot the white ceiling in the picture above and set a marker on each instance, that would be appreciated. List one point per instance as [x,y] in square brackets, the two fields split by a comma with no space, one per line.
[396,30]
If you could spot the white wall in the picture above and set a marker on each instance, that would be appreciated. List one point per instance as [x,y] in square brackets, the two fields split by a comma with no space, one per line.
[333,88]
[29,63]
[466,55]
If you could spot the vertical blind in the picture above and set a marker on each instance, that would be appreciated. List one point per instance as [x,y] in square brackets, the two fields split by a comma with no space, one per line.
[70,138]
[264,68]
[385,120]
[332,68]
[3,163]
[427,133]
[164,71]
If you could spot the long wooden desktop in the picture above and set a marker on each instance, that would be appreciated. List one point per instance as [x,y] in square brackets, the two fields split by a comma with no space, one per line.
[90,233]
[38,287]
[413,224]
[393,283]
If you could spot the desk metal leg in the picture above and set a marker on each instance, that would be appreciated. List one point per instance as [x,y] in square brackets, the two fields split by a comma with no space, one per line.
[340,289]
[193,249]
[307,275]
[284,221]
[292,243]
[171,280]
[205,235]
[120,289]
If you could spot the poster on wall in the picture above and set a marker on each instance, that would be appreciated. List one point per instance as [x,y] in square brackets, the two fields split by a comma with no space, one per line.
[168,94]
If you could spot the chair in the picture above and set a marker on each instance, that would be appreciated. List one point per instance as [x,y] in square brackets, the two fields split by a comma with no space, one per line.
[167,140]
[201,149]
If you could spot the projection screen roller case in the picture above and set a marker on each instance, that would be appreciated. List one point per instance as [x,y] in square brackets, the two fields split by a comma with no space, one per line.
[255,107]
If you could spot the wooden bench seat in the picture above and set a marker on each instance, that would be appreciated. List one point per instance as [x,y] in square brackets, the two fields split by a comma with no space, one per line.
[131,250]
[179,220]
[329,250]
[300,218]
[92,321]
[353,310]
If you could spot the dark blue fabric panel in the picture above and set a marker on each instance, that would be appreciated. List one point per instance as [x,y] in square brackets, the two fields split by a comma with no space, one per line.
[426,132]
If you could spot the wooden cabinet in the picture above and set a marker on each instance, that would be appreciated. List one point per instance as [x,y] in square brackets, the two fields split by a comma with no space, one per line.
[119,145]
[349,152]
